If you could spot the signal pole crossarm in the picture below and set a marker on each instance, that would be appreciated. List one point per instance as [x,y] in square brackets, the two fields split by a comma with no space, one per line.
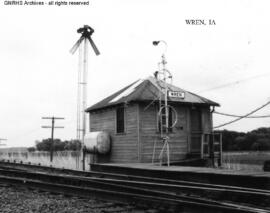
[53,118]
[2,139]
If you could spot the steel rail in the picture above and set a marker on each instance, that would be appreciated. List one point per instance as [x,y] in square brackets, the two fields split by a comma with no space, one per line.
[130,177]
[115,195]
[146,188]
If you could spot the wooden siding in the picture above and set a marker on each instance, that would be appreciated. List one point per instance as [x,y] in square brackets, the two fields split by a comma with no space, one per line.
[141,133]
[125,145]
[206,120]
[150,137]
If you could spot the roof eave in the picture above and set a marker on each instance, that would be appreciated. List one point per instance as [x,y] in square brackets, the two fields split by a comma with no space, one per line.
[93,108]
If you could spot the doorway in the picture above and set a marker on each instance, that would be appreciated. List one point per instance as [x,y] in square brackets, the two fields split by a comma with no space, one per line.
[195,130]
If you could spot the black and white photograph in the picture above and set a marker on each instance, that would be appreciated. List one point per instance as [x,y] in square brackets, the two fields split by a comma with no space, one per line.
[132,106]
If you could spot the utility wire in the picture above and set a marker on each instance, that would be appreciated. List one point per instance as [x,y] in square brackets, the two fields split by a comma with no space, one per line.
[240,116]
[234,83]
[230,122]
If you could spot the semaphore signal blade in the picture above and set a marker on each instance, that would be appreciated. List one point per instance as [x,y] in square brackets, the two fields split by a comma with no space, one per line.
[76,45]
[93,45]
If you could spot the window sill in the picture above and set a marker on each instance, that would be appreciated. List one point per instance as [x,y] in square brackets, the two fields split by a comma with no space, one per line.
[122,133]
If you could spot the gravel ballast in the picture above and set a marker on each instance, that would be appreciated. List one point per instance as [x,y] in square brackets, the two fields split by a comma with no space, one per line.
[15,199]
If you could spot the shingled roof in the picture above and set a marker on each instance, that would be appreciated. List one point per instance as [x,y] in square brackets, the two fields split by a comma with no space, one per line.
[148,90]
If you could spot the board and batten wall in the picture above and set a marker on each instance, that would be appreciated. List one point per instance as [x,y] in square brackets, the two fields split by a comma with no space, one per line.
[150,141]
[124,147]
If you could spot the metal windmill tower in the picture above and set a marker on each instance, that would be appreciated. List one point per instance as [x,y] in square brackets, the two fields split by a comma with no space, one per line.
[86,33]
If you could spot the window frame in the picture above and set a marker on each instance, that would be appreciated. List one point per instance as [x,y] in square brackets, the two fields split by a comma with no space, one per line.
[124,120]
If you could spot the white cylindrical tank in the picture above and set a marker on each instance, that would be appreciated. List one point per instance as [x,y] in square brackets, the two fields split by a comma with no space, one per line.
[97,142]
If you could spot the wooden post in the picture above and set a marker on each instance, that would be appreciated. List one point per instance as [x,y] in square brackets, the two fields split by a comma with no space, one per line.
[83,159]
[220,150]
[168,153]
[211,148]
[52,127]
[52,143]
[202,146]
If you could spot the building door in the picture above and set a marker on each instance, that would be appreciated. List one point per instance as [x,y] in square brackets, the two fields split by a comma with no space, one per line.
[195,130]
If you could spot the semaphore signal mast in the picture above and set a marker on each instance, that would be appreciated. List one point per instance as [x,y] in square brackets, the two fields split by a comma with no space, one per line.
[86,33]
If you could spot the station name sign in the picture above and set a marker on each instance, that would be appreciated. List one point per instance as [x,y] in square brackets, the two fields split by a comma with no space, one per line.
[176,94]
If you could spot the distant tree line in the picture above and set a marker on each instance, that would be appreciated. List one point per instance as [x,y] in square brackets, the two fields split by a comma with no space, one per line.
[58,145]
[255,140]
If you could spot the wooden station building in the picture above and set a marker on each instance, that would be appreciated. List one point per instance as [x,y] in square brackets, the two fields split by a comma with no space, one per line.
[130,116]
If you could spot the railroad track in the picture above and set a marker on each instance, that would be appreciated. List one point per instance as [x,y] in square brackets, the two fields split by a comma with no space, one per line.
[154,191]
[117,176]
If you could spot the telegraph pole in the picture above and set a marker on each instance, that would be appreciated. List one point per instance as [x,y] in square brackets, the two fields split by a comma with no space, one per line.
[2,139]
[52,127]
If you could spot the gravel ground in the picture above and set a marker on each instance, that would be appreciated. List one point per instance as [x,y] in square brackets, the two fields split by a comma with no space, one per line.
[19,200]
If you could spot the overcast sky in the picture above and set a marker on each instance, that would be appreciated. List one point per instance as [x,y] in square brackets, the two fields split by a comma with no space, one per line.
[38,75]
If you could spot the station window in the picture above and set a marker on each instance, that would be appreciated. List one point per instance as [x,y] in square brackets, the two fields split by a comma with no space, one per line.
[120,120]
